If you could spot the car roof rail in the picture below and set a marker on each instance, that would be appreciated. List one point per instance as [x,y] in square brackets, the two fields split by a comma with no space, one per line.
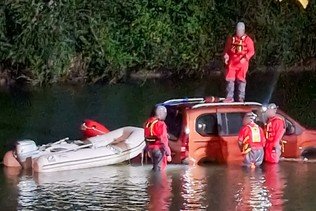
[227,104]
[184,100]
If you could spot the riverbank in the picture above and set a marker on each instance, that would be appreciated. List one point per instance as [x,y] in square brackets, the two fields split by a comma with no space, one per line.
[10,77]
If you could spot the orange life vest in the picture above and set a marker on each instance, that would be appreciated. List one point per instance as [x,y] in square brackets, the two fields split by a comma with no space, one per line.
[239,45]
[150,129]
[270,133]
[252,139]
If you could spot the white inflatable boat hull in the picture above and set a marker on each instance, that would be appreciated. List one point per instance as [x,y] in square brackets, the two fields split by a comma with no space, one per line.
[84,158]
[114,147]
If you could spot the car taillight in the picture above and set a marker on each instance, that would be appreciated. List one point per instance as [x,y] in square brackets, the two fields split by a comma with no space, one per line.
[185,143]
[186,130]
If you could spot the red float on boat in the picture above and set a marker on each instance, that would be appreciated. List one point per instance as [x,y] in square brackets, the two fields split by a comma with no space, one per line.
[92,128]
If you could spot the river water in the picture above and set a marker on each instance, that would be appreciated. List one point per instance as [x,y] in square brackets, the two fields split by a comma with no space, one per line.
[51,113]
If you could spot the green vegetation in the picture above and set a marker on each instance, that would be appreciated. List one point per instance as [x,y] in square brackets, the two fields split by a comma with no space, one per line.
[49,40]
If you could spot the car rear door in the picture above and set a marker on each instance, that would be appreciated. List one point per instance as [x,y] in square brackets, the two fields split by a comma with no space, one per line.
[230,123]
[204,140]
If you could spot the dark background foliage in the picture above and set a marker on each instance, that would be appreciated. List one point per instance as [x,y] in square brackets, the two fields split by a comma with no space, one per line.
[50,41]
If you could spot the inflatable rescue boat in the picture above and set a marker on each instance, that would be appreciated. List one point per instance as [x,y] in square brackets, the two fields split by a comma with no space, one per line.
[114,147]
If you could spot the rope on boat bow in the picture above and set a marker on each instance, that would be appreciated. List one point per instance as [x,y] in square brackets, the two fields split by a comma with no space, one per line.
[85,127]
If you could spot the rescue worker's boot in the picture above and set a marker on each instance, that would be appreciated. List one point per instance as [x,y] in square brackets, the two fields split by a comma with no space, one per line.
[230,89]
[241,91]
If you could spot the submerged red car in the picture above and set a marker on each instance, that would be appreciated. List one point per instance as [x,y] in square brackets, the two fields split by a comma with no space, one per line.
[201,130]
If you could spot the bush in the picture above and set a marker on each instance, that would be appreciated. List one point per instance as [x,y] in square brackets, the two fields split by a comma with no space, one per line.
[51,40]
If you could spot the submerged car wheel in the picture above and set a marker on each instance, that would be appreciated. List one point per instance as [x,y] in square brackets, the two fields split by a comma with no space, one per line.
[309,153]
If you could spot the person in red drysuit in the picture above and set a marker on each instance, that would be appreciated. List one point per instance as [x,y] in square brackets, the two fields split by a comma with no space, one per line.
[275,130]
[239,49]
[251,141]
[157,139]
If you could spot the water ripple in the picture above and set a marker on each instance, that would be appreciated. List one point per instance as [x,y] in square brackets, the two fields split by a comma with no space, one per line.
[194,189]
[77,190]
[261,190]
[137,188]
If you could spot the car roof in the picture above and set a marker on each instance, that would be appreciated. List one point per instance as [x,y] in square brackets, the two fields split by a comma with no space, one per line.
[219,104]
[196,103]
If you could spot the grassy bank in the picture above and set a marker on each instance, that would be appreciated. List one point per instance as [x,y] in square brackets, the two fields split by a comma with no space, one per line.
[87,41]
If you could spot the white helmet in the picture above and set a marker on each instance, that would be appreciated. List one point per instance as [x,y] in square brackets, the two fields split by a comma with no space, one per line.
[240,26]
[161,112]
[272,106]
[240,29]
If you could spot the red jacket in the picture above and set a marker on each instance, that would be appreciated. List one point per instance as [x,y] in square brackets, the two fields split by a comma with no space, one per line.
[157,129]
[239,47]
[251,136]
[275,129]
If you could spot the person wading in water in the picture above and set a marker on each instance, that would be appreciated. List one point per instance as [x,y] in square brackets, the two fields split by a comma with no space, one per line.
[251,141]
[275,130]
[156,137]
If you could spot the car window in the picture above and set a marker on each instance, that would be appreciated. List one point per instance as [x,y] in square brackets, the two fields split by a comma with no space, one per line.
[231,123]
[289,127]
[207,124]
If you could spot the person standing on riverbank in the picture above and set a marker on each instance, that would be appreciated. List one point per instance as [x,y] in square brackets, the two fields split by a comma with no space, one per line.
[275,130]
[251,141]
[239,49]
[157,139]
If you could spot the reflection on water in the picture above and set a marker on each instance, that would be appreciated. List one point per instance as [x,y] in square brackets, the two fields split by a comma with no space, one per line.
[159,191]
[113,188]
[274,187]
[27,193]
[193,189]
[261,189]
[252,192]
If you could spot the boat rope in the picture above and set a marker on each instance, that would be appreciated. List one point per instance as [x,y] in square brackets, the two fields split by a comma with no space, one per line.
[85,127]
